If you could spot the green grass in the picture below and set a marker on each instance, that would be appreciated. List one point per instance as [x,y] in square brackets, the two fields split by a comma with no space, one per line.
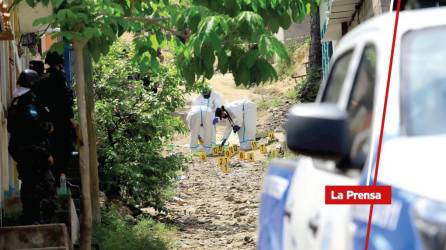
[266,103]
[120,231]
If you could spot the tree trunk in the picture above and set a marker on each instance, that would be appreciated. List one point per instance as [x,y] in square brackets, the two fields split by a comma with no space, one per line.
[315,55]
[94,177]
[84,155]
[309,89]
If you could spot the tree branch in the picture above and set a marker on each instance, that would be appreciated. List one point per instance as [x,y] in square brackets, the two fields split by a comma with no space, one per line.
[149,20]
[157,22]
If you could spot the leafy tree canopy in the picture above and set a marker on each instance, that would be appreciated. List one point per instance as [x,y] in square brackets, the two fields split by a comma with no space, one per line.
[235,36]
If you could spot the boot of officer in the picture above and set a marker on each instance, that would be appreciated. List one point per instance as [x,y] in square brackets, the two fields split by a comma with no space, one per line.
[29,147]
[54,94]
[199,120]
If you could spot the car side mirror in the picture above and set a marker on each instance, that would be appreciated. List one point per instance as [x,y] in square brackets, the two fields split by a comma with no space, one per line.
[319,130]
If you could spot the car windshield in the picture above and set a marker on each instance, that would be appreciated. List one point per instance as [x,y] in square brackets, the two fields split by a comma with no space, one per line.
[423,84]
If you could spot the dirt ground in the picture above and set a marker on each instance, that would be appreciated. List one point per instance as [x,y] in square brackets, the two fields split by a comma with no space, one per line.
[214,210]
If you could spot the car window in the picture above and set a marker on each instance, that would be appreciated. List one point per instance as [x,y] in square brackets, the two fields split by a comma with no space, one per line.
[424,82]
[337,77]
[360,106]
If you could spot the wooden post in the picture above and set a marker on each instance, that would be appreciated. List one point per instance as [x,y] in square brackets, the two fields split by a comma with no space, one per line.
[84,155]
[94,176]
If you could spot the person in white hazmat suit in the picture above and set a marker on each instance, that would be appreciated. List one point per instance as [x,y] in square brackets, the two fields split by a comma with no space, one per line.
[212,100]
[199,120]
[240,117]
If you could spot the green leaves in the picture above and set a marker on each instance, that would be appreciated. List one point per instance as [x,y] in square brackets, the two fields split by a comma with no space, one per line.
[270,46]
[133,125]
[229,36]
[250,25]
[56,3]
[236,36]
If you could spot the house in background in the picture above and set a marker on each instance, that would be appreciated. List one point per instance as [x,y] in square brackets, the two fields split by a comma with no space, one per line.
[297,32]
[10,65]
[16,37]
[337,17]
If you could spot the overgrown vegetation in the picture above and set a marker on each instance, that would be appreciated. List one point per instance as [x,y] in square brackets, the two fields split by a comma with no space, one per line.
[134,116]
[308,88]
[285,68]
[121,231]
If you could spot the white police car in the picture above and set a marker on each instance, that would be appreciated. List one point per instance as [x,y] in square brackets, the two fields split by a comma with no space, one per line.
[337,139]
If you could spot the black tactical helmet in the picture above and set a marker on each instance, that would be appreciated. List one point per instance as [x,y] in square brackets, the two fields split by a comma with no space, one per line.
[53,58]
[28,78]
[37,66]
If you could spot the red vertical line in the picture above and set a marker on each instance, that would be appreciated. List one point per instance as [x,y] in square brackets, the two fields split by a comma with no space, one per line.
[383,120]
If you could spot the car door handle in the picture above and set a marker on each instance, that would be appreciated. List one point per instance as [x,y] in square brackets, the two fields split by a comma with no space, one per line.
[313,224]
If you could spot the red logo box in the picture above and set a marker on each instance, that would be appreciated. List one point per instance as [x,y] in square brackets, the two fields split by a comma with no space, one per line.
[358,194]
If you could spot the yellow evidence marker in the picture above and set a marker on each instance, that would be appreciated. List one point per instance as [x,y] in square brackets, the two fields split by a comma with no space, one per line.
[263,149]
[271,136]
[202,156]
[251,156]
[235,147]
[216,151]
[231,150]
[226,169]
[221,162]
[253,145]
[227,153]
[241,155]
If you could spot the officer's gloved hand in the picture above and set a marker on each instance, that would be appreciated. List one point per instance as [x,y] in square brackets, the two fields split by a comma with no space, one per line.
[236,128]
[215,121]
[223,142]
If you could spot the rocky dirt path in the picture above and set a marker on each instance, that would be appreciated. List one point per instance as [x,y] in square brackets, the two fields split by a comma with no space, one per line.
[218,210]
[214,210]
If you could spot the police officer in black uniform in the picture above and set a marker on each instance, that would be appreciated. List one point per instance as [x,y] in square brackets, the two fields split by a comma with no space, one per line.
[54,94]
[29,147]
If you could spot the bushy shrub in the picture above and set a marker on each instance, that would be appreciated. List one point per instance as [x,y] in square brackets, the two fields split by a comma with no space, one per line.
[120,231]
[135,118]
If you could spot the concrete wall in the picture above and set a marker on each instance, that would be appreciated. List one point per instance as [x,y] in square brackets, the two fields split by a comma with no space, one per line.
[297,31]
[54,236]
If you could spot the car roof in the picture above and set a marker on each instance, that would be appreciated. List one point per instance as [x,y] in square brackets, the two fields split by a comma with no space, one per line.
[383,25]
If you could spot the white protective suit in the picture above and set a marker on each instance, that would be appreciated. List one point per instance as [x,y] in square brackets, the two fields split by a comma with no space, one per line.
[199,119]
[243,114]
[213,102]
